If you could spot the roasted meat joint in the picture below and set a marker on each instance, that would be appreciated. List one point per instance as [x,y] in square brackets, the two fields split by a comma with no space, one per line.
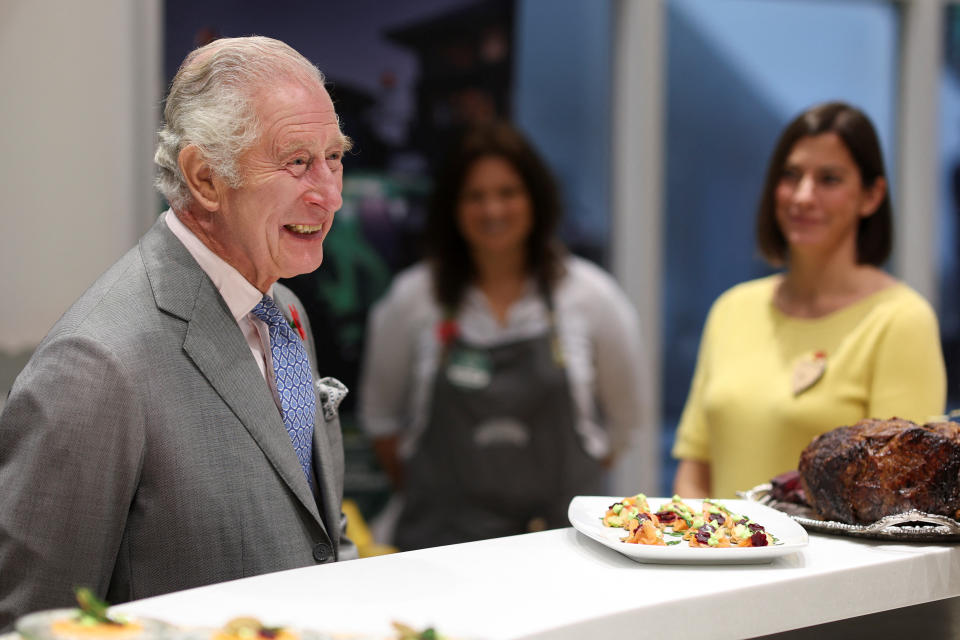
[861,473]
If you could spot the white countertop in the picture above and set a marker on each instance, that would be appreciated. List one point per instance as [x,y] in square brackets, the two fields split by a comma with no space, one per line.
[560,584]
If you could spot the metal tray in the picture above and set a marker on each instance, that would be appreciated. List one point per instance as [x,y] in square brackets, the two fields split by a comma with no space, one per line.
[910,526]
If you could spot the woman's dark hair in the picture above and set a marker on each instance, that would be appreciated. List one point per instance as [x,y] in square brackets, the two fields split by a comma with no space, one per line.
[853,127]
[445,247]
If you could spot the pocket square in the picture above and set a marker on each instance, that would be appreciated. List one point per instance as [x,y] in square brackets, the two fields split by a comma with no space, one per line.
[331,393]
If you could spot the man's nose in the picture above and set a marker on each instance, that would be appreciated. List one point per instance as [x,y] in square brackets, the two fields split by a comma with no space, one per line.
[325,189]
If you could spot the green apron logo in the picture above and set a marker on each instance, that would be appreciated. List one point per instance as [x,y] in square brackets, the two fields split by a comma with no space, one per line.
[469,369]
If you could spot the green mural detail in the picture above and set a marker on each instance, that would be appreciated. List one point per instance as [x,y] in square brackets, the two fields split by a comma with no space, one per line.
[353,258]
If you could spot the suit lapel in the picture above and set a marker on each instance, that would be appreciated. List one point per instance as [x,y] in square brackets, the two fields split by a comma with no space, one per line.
[218,348]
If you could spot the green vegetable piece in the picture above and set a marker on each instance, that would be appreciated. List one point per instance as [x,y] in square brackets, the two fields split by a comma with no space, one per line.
[92,607]
[673,542]
[405,632]
[679,508]
[617,508]
[716,505]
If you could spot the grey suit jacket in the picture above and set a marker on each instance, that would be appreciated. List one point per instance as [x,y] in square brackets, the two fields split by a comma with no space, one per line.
[141,450]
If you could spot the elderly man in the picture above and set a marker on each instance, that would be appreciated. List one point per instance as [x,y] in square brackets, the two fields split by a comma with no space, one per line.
[171,430]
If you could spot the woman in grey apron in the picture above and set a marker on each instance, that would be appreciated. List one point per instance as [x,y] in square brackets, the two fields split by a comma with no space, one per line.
[468,357]
[499,455]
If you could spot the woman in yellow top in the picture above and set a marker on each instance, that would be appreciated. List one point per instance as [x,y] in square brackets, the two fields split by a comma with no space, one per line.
[830,340]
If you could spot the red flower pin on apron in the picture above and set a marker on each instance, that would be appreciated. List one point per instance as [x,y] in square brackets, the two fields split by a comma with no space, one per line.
[447,330]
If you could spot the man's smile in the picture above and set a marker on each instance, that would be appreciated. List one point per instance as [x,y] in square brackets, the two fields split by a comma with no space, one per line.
[304,229]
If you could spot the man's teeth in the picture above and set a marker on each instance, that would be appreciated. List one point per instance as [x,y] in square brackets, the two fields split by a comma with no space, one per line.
[304,228]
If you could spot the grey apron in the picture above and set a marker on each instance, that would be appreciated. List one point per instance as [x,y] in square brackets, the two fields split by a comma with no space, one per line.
[499,455]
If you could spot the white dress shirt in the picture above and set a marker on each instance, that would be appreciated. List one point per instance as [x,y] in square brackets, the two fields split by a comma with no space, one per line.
[241,296]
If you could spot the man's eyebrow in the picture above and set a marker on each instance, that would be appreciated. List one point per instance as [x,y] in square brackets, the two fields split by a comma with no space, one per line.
[342,141]
[290,147]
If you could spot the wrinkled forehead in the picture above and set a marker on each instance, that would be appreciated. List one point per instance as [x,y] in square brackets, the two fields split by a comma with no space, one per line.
[295,113]
[292,84]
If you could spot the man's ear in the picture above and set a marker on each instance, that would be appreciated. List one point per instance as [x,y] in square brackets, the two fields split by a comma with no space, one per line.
[199,177]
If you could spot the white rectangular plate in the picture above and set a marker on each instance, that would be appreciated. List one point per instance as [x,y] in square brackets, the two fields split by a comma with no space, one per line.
[585,513]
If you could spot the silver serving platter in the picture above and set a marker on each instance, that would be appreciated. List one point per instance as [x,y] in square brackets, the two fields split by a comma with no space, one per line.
[910,526]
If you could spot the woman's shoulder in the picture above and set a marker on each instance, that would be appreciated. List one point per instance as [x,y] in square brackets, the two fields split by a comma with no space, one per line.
[900,293]
[411,289]
[747,294]
[902,303]
[742,305]
[590,298]
[414,280]
[588,279]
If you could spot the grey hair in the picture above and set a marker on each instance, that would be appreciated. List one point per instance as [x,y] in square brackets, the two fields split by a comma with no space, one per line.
[210,105]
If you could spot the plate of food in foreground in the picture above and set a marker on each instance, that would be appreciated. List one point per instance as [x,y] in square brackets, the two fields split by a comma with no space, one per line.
[678,531]
[251,628]
[90,621]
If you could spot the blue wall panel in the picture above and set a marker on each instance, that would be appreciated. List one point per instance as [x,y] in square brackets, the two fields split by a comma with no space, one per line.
[562,101]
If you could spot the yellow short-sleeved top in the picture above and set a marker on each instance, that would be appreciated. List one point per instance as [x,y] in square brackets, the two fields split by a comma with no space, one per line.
[882,358]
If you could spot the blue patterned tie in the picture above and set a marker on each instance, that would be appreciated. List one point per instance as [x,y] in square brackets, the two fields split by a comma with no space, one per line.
[291,370]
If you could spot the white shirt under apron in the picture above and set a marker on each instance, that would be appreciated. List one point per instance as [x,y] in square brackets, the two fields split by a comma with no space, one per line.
[597,326]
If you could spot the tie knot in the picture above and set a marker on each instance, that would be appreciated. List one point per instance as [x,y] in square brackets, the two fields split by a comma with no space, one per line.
[268,311]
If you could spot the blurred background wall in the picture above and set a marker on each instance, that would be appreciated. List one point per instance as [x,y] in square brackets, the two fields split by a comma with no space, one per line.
[656,115]
[81,83]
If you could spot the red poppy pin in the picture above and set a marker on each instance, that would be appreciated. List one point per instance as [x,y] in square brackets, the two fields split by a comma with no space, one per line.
[447,330]
[295,323]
